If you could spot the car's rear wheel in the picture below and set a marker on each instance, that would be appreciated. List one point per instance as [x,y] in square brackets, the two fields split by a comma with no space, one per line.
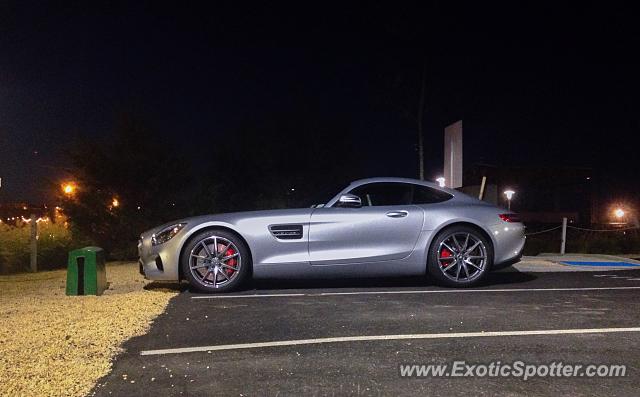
[459,256]
[215,261]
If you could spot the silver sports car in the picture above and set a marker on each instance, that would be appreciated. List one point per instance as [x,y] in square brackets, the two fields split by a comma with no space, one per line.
[374,227]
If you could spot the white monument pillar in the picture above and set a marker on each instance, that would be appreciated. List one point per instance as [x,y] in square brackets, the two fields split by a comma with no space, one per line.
[453,155]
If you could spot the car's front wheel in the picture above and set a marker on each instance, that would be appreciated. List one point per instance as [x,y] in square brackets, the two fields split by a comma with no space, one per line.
[459,256]
[215,261]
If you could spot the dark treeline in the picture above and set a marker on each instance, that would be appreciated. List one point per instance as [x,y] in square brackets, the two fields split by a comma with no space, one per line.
[281,164]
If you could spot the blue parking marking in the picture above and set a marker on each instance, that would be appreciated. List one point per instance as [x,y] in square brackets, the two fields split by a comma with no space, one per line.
[605,264]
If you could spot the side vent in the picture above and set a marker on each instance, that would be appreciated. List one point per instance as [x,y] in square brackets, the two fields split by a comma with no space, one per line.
[286,232]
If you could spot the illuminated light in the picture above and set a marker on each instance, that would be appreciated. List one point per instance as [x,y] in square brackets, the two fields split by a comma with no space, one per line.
[24,207]
[441,180]
[619,213]
[510,217]
[509,194]
[115,203]
[69,188]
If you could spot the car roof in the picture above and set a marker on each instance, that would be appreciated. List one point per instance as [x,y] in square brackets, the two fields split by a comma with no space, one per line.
[456,195]
[398,180]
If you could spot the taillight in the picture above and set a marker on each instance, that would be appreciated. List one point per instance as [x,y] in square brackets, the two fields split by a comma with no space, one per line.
[510,217]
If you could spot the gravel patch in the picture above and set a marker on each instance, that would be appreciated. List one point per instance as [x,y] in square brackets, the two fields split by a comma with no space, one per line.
[53,345]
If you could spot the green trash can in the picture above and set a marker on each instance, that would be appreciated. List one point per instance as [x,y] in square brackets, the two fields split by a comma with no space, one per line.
[86,273]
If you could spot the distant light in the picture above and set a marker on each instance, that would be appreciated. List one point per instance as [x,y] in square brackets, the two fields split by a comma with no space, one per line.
[69,188]
[293,189]
[588,177]
[139,207]
[509,194]
[115,202]
[440,181]
[619,213]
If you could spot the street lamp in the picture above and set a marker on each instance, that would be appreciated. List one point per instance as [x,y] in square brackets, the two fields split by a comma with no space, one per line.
[509,193]
[69,188]
[440,181]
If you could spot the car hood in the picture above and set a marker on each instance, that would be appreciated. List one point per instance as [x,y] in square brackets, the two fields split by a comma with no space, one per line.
[231,217]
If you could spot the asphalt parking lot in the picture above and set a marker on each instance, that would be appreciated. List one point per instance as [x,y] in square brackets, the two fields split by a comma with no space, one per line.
[350,337]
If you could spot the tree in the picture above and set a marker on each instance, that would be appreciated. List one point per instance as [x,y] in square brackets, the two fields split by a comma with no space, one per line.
[285,161]
[290,160]
[139,170]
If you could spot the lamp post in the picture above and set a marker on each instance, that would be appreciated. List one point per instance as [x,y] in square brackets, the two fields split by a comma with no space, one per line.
[509,194]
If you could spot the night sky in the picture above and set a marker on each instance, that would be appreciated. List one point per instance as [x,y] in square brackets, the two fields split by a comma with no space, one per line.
[535,85]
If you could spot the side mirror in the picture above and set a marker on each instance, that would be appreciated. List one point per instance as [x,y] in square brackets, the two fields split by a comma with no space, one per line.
[349,201]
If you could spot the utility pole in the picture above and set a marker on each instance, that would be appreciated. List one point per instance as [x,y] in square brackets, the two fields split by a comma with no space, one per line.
[420,116]
[34,243]
[564,236]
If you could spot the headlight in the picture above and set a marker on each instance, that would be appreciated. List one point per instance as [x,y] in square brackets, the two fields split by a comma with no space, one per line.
[166,234]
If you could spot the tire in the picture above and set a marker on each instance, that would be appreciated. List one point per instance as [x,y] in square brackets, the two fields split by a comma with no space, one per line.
[447,261]
[199,259]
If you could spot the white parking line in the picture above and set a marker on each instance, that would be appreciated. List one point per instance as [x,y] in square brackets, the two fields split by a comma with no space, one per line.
[243,296]
[447,335]
[442,291]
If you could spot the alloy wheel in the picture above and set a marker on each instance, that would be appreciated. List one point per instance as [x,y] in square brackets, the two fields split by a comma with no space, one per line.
[215,261]
[462,256]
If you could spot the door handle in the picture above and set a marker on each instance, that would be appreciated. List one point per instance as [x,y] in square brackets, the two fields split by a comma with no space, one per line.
[397,214]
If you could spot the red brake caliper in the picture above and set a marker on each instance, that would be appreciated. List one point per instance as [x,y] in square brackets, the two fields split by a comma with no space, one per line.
[231,262]
[445,254]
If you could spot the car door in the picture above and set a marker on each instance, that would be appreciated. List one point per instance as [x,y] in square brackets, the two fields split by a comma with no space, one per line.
[385,228]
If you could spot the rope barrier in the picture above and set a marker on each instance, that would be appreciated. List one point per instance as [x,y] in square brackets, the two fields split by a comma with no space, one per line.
[543,231]
[602,230]
[583,229]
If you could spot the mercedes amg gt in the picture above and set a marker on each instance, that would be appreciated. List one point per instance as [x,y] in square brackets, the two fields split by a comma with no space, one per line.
[380,227]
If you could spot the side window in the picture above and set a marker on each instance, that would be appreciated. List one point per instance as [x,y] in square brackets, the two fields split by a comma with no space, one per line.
[384,193]
[427,195]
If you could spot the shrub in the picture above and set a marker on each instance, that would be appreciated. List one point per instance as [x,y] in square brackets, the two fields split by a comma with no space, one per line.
[54,243]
